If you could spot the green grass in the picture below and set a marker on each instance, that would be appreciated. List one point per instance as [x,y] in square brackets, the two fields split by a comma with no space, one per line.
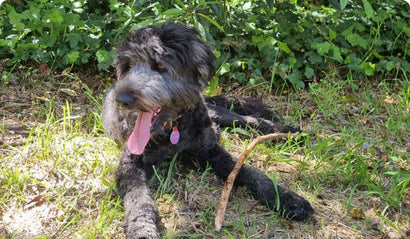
[58,180]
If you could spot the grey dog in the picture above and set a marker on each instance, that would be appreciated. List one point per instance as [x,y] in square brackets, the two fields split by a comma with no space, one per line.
[156,110]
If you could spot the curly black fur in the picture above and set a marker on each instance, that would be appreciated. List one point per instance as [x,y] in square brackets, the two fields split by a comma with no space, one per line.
[162,71]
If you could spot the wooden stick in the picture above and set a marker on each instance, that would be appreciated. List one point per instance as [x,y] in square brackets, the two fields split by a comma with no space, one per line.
[220,213]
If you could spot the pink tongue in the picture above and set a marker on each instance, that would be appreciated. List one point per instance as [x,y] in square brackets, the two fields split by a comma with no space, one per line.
[140,135]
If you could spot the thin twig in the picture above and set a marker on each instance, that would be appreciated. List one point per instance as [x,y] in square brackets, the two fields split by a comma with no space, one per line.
[220,213]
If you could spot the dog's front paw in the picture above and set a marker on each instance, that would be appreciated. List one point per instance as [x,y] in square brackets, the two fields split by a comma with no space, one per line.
[142,235]
[142,231]
[141,221]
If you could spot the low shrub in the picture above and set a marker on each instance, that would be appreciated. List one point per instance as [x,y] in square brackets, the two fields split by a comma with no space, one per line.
[255,41]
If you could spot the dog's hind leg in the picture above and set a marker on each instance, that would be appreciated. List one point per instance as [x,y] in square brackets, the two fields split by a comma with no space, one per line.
[226,118]
[288,203]
[141,214]
[243,106]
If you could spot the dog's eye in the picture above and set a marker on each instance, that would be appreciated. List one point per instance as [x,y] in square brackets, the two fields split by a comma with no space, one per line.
[160,68]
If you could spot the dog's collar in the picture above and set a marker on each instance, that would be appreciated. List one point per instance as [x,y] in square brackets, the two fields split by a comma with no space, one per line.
[174,136]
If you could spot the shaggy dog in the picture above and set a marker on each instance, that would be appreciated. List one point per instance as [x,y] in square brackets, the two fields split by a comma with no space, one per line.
[156,110]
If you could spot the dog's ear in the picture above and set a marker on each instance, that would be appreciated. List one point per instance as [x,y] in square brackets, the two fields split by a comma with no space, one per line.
[203,61]
[196,55]
[122,64]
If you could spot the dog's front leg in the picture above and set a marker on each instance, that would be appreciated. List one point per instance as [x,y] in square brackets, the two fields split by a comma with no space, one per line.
[288,203]
[141,214]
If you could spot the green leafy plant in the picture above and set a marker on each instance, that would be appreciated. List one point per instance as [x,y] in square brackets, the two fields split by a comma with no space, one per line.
[298,42]
[258,42]
[60,33]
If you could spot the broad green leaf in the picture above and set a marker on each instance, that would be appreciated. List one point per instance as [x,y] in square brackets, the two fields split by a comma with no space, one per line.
[356,40]
[26,15]
[35,12]
[73,39]
[343,4]
[370,71]
[295,78]
[309,72]
[339,5]
[368,9]
[50,41]
[73,56]
[104,59]
[15,18]
[217,53]
[390,65]
[336,54]
[405,66]
[322,48]
[336,4]
[284,47]
[225,67]
[358,27]
[332,34]
[292,61]
[314,58]
[201,30]
[173,12]
[347,32]
[262,42]
[212,86]
[102,55]
[55,16]
[270,41]
[368,68]
[204,3]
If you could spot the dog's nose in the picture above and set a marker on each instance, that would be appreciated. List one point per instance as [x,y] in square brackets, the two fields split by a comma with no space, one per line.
[125,100]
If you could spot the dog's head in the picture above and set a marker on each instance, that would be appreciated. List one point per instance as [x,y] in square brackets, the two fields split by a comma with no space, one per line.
[161,72]
[172,49]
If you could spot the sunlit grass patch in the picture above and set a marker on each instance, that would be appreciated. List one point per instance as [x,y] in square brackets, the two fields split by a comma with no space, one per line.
[60,183]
